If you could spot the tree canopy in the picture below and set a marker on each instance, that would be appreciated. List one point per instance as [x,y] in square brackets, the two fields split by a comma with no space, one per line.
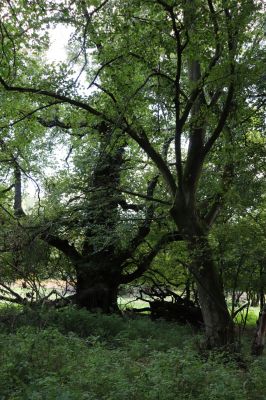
[160,107]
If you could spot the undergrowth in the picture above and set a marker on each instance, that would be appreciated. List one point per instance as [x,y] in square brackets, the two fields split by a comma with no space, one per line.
[74,355]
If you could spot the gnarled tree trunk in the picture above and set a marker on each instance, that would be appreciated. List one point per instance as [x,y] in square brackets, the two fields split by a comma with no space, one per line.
[96,295]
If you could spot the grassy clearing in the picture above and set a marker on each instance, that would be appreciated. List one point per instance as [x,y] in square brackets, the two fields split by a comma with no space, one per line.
[74,355]
[253,315]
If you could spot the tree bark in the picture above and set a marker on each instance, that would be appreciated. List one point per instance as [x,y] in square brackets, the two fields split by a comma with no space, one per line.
[218,323]
[219,327]
[96,292]
[18,210]
[259,340]
[96,296]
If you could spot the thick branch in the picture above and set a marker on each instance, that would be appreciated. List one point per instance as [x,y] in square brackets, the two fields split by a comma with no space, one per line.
[29,114]
[226,182]
[7,289]
[222,121]
[156,157]
[62,245]
[54,95]
[144,228]
[232,36]
[55,122]
[146,260]
[7,189]
[128,206]
[12,300]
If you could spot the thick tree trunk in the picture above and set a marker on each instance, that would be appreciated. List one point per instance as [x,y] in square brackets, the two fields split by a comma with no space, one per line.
[218,323]
[96,293]
[219,327]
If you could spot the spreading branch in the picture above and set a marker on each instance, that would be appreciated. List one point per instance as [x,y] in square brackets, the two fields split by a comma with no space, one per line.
[54,95]
[147,259]
[62,245]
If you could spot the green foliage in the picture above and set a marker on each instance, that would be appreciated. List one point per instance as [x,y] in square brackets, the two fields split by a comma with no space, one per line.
[182,74]
[73,355]
[240,251]
[250,318]
[84,324]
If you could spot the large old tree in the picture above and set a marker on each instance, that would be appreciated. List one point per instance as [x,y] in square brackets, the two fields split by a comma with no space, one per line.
[104,236]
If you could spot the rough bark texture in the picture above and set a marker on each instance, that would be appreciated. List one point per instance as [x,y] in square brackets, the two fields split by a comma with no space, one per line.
[217,319]
[218,324]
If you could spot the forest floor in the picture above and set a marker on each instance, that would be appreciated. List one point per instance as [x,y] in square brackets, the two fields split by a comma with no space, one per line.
[71,354]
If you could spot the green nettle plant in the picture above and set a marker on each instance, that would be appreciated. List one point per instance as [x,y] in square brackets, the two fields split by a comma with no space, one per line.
[67,354]
[182,75]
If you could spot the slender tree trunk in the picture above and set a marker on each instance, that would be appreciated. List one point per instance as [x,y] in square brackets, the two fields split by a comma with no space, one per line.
[188,288]
[259,340]
[261,292]
[262,298]
[18,210]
